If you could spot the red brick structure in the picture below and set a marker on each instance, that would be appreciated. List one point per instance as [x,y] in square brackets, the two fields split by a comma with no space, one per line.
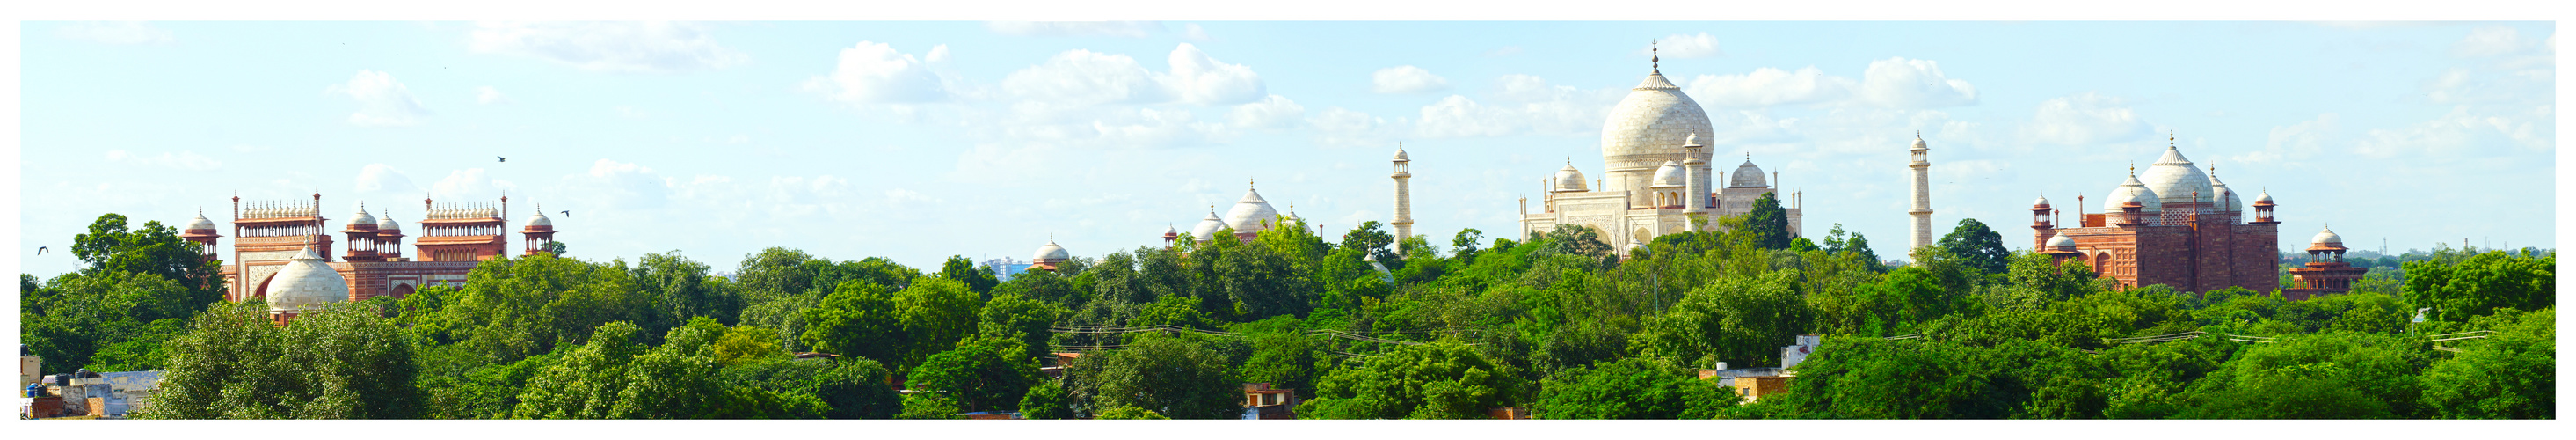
[2325,273]
[2178,227]
[455,238]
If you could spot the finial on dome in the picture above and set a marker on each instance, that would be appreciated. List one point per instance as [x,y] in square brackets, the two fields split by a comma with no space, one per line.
[2133,169]
[1399,145]
[2169,139]
[1655,55]
[1250,183]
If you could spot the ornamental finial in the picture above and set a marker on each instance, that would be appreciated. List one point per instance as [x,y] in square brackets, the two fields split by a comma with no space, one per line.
[1655,55]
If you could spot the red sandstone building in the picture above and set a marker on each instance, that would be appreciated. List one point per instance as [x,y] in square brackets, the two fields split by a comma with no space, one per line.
[454,237]
[2179,227]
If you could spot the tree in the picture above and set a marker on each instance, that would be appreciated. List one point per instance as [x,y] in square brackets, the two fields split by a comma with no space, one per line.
[1742,320]
[556,247]
[1633,388]
[1168,375]
[2509,375]
[78,315]
[1577,240]
[586,383]
[936,313]
[1371,239]
[1440,380]
[2477,285]
[154,249]
[342,362]
[2313,376]
[1046,401]
[1851,245]
[1130,413]
[680,289]
[858,319]
[985,374]
[1768,222]
[1977,246]
[1283,359]
[1012,317]
[1464,245]
[962,270]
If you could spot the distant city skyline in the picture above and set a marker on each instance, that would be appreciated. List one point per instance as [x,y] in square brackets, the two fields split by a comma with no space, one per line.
[920,140]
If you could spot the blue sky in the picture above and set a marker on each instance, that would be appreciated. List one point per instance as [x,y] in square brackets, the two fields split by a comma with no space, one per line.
[919,140]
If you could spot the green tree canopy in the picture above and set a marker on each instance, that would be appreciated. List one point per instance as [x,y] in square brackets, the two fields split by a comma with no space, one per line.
[1977,246]
[1632,388]
[1167,375]
[1768,222]
[1439,380]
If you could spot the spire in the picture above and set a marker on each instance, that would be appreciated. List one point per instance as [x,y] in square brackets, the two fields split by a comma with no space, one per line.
[2169,139]
[1655,55]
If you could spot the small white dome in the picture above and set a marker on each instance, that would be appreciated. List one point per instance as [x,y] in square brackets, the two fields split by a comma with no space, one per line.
[2327,237]
[1208,227]
[306,283]
[2133,191]
[1399,154]
[2043,201]
[1918,143]
[539,219]
[1746,176]
[2223,198]
[2266,197]
[387,223]
[1169,230]
[2061,242]
[1569,179]
[1050,252]
[362,218]
[1251,214]
[201,222]
[1669,176]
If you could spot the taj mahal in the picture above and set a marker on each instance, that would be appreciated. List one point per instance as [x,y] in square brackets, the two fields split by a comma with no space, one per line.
[1656,175]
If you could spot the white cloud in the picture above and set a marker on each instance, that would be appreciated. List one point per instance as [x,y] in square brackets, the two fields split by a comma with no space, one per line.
[1131,29]
[1341,127]
[489,95]
[184,160]
[1270,112]
[1522,104]
[381,100]
[1504,51]
[905,198]
[2491,41]
[1193,32]
[1083,77]
[1768,87]
[613,184]
[2085,119]
[114,32]
[2295,141]
[1690,46]
[470,183]
[872,72]
[2460,133]
[1904,83]
[385,179]
[1406,79]
[1204,80]
[608,46]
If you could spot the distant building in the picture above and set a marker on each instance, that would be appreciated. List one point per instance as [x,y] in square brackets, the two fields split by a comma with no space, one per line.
[1003,268]
[88,394]
[2173,225]
[1657,177]
[283,252]
[2325,272]
[1261,402]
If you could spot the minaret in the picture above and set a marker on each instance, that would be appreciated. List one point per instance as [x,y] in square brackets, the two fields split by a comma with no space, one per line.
[1922,194]
[1403,196]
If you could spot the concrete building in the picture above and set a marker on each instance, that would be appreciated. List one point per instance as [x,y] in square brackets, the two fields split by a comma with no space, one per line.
[1657,175]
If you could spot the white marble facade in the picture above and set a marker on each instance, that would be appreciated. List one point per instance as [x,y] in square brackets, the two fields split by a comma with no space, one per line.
[1650,127]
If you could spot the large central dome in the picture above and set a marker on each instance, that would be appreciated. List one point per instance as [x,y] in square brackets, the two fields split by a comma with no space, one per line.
[1650,125]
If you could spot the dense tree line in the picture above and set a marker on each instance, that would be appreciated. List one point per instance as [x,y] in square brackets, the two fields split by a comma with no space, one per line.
[1366,326]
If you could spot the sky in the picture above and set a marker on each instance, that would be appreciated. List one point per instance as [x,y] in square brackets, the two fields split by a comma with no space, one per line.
[920,140]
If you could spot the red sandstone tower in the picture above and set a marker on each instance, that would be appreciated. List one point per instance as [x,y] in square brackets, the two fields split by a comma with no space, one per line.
[2325,273]
[539,232]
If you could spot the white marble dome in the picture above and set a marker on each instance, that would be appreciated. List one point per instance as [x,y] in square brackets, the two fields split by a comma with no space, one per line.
[1399,154]
[1207,227]
[1669,175]
[362,218]
[306,283]
[1252,214]
[387,223]
[1746,176]
[201,222]
[2224,199]
[2327,237]
[1919,145]
[1050,252]
[2265,197]
[2174,179]
[2061,242]
[2132,191]
[2043,201]
[539,219]
[1650,125]
[1569,179]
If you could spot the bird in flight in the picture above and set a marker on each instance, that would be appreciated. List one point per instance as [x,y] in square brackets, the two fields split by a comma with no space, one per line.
[40,250]
[503,159]
[567,214]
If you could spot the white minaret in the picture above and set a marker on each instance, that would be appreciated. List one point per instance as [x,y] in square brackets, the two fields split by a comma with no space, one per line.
[1403,196]
[1922,194]
[1695,193]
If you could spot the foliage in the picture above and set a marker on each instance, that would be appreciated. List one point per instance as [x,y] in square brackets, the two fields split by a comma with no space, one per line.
[1768,222]
[1046,401]
[1977,246]
[1633,388]
[1445,379]
[342,362]
[1130,413]
[2479,284]
[964,271]
[2509,375]
[858,319]
[984,374]
[1167,375]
